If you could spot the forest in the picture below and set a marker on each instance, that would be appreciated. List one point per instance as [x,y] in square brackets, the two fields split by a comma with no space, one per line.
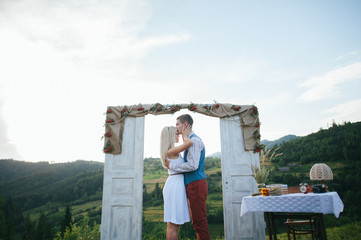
[58,201]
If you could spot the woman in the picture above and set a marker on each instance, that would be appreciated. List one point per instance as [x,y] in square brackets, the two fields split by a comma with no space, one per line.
[176,210]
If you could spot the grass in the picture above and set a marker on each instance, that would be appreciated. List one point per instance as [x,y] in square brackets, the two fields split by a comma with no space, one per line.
[153,214]
[155,175]
[350,231]
[52,210]
[216,231]
[85,207]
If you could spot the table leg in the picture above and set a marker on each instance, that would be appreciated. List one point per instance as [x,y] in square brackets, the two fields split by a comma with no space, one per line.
[268,223]
[273,226]
[321,227]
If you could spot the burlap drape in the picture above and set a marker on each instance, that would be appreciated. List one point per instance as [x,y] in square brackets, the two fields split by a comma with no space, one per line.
[115,118]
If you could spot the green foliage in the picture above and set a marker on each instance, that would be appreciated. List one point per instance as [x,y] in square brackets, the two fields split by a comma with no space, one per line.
[11,169]
[152,165]
[212,163]
[64,182]
[157,230]
[39,190]
[13,220]
[153,230]
[217,217]
[215,183]
[81,232]
[340,143]
[186,231]
[2,219]
[155,198]
[29,231]
[351,231]
[67,221]
[346,184]
[44,229]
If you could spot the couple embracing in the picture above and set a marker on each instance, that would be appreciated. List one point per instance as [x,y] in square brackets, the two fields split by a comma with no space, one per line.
[186,179]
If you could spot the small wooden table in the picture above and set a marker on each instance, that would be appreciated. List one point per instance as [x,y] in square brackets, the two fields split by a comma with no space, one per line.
[297,205]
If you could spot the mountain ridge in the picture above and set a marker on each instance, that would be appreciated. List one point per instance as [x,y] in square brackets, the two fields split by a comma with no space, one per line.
[286,138]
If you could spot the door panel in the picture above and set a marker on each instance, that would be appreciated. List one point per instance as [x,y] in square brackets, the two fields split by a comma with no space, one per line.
[123,186]
[238,182]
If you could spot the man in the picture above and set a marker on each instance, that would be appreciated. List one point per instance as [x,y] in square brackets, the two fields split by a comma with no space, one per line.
[194,178]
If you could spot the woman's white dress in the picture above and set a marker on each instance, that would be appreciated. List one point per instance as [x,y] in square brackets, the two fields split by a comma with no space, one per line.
[176,208]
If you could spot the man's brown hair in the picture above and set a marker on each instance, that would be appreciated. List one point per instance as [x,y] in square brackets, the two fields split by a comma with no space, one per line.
[186,118]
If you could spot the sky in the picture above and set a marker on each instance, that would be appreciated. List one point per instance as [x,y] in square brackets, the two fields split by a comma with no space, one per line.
[63,62]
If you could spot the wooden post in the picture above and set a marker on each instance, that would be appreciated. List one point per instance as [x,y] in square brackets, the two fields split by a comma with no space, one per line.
[123,186]
[238,182]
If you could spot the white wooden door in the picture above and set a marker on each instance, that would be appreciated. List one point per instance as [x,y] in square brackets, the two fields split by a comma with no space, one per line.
[238,182]
[123,186]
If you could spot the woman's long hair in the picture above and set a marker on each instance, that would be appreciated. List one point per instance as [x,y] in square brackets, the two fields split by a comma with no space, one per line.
[167,140]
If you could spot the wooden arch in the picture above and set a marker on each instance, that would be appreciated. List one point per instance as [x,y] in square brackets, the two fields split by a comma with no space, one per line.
[123,167]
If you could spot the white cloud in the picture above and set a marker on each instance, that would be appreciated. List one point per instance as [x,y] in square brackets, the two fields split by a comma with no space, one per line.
[97,34]
[349,111]
[64,63]
[326,86]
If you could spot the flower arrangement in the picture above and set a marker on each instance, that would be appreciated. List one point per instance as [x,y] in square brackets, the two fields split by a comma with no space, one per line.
[140,108]
[191,107]
[157,108]
[258,147]
[175,108]
[256,135]
[108,147]
[109,120]
[235,107]
[124,112]
[254,111]
[207,107]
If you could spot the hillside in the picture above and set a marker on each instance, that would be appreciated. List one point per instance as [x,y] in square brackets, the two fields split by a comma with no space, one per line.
[339,143]
[34,184]
[36,188]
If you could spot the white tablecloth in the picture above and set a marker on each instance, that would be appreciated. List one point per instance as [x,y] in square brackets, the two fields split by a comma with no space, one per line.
[298,202]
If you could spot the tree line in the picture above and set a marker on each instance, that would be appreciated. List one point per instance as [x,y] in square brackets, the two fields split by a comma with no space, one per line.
[339,143]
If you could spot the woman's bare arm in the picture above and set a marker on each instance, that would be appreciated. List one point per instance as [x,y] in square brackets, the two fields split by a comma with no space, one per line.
[187,142]
[175,150]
